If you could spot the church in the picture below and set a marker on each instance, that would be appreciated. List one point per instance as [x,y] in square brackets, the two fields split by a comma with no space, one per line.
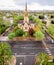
[26,24]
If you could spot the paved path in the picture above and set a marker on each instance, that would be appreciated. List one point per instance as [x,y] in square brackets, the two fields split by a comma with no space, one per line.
[8,31]
[4,38]
[26,51]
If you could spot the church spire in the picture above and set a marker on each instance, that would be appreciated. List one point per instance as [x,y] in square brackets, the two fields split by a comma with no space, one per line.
[26,7]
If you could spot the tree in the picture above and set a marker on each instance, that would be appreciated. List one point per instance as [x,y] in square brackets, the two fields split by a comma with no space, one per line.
[51,30]
[15,24]
[31,31]
[30,17]
[41,17]
[43,58]
[7,23]
[11,35]
[38,22]
[21,17]
[19,32]
[16,18]
[1,22]
[5,53]
[39,35]
[52,21]
[52,16]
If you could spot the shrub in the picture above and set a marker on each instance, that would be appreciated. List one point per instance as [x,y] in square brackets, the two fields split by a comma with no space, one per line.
[39,35]
[41,17]
[52,16]
[52,21]
[30,17]
[31,31]
[38,22]
[2,29]
[25,34]
[11,35]
[7,23]
[19,32]
[1,21]
[50,63]
[21,17]
[51,30]
[16,18]
[15,24]
[44,22]
[5,53]
[43,56]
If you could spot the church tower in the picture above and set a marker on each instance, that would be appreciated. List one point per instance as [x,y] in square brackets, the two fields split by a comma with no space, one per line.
[26,18]
[25,24]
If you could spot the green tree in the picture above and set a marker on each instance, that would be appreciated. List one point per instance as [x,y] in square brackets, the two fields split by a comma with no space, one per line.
[7,23]
[38,22]
[39,35]
[1,22]
[5,53]
[43,57]
[21,17]
[41,17]
[11,35]
[51,30]
[15,24]
[19,32]
[30,17]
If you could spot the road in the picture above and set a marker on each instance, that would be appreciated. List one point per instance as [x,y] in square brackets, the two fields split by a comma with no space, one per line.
[26,51]
[49,43]
[7,32]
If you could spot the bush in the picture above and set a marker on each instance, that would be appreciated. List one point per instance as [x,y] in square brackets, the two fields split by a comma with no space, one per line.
[16,18]
[31,31]
[11,35]
[44,22]
[50,63]
[51,30]
[43,56]
[52,21]
[19,32]
[1,22]
[15,24]
[39,35]
[2,29]
[21,17]
[30,17]
[38,22]
[5,53]
[52,16]
[25,34]
[7,23]
[41,17]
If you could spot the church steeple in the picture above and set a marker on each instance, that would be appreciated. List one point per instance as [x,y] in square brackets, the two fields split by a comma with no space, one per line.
[26,7]
[26,12]
[26,18]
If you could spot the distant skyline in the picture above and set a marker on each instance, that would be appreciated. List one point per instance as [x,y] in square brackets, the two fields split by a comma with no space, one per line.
[32,4]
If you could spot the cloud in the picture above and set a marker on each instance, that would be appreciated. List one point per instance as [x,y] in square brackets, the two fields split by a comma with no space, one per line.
[11,5]
[37,6]
[8,4]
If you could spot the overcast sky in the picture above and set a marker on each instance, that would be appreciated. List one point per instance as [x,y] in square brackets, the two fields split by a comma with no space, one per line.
[32,4]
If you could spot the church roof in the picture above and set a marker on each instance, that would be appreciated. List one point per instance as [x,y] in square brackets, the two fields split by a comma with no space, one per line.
[30,22]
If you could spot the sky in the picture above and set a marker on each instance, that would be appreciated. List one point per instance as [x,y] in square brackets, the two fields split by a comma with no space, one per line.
[32,4]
